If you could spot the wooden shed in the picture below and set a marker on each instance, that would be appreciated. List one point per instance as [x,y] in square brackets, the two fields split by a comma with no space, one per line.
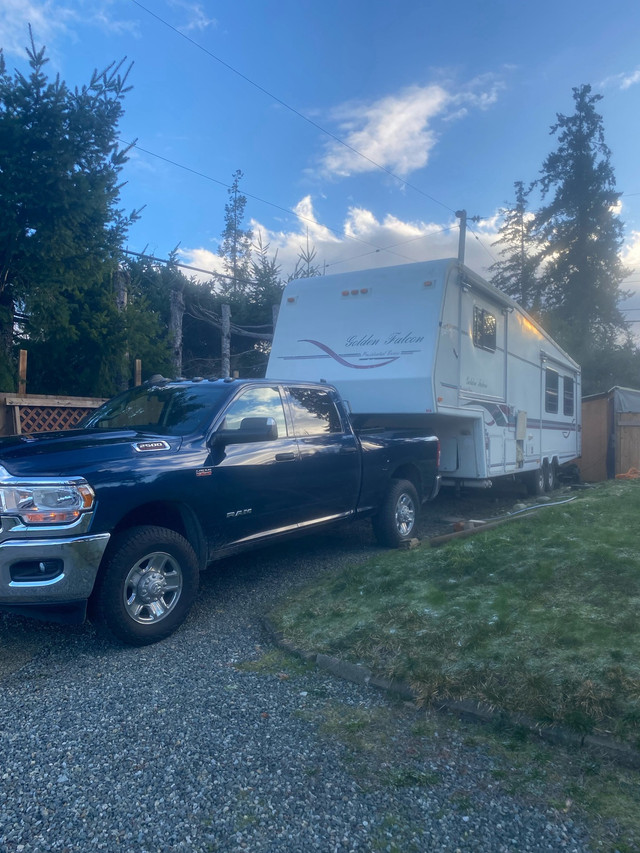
[610,434]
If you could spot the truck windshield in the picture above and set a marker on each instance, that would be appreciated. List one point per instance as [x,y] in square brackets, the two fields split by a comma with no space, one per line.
[163,410]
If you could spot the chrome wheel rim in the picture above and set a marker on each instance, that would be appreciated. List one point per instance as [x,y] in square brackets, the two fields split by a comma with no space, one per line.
[405,515]
[152,588]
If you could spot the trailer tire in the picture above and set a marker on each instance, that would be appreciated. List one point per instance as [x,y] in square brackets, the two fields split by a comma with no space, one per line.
[550,476]
[397,518]
[536,481]
[146,586]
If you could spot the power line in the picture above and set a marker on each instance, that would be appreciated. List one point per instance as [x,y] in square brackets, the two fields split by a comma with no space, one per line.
[392,246]
[290,108]
[289,212]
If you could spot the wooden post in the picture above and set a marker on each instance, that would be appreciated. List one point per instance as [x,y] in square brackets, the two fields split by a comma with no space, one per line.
[175,324]
[22,372]
[138,373]
[226,341]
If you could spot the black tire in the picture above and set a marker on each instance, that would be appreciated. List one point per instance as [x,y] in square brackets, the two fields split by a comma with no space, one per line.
[146,585]
[536,482]
[397,518]
[550,477]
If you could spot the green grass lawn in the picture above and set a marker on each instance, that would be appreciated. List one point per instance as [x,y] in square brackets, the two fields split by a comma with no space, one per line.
[539,616]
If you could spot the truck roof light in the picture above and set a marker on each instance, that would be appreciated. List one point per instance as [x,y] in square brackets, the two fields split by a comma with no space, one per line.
[345,292]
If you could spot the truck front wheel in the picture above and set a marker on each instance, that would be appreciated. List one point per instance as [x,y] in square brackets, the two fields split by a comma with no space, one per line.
[398,516]
[146,586]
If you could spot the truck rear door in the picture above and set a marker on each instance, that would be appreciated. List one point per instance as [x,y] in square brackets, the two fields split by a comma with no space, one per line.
[329,465]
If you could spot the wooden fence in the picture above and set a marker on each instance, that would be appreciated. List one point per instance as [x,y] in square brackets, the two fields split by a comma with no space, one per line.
[32,413]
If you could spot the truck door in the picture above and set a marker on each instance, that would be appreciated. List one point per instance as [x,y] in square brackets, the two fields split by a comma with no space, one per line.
[252,487]
[329,455]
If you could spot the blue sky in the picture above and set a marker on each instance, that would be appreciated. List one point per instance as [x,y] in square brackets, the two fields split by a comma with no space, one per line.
[452,102]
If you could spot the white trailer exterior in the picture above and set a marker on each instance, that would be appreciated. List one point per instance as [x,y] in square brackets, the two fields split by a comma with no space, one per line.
[433,345]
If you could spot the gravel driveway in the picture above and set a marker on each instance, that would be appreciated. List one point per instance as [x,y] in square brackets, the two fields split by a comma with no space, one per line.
[209,741]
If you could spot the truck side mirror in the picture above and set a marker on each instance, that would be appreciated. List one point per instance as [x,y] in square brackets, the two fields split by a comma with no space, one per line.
[250,431]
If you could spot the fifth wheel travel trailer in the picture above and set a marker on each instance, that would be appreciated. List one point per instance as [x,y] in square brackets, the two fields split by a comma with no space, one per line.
[432,345]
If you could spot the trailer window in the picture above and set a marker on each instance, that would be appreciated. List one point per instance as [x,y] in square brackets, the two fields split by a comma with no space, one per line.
[568,407]
[551,391]
[484,329]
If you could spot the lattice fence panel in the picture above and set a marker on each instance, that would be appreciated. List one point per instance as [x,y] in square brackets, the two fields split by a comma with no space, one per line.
[45,418]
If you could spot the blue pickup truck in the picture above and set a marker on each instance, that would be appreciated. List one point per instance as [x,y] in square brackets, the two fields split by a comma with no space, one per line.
[123,514]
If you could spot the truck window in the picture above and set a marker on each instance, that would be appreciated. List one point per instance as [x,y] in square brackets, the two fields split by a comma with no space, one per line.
[314,412]
[162,409]
[484,329]
[568,406]
[261,402]
[551,391]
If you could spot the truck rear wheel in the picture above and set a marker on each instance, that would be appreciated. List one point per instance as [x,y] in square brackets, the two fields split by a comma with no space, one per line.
[146,586]
[397,518]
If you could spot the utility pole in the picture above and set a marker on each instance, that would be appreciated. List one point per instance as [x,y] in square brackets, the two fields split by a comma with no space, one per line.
[462,235]
[462,216]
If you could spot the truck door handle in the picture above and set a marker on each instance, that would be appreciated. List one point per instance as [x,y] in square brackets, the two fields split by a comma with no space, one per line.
[285,457]
[348,450]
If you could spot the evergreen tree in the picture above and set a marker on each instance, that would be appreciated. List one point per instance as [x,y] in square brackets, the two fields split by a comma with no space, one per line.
[60,226]
[235,246]
[306,266]
[152,291]
[266,275]
[581,235]
[516,273]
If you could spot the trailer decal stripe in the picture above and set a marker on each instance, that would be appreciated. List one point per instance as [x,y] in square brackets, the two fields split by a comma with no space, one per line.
[343,361]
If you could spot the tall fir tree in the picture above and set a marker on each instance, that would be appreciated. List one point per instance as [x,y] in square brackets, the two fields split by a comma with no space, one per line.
[581,235]
[235,246]
[516,272]
[60,225]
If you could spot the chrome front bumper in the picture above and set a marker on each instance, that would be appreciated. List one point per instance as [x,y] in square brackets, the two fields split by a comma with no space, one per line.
[79,556]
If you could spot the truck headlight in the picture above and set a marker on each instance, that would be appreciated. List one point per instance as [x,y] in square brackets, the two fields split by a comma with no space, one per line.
[46,500]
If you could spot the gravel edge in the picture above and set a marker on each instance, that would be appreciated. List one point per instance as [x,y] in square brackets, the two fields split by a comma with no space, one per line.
[620,753]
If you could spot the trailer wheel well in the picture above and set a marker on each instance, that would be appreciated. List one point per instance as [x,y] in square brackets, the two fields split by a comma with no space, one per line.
[171,516]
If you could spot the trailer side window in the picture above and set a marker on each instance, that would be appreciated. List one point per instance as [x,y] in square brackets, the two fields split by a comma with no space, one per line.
[568,407]
[551,391]
[484,329]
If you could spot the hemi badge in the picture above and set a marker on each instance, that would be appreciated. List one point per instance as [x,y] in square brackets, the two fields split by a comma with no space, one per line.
[204,472]
[147,446]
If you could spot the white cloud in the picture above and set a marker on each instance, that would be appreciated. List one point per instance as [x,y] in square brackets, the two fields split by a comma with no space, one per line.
[48,19]
[197,18]
[365,242]
[394,132]
[53,19]
[631,258]
[398,132]
[624,80]
[206,261]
